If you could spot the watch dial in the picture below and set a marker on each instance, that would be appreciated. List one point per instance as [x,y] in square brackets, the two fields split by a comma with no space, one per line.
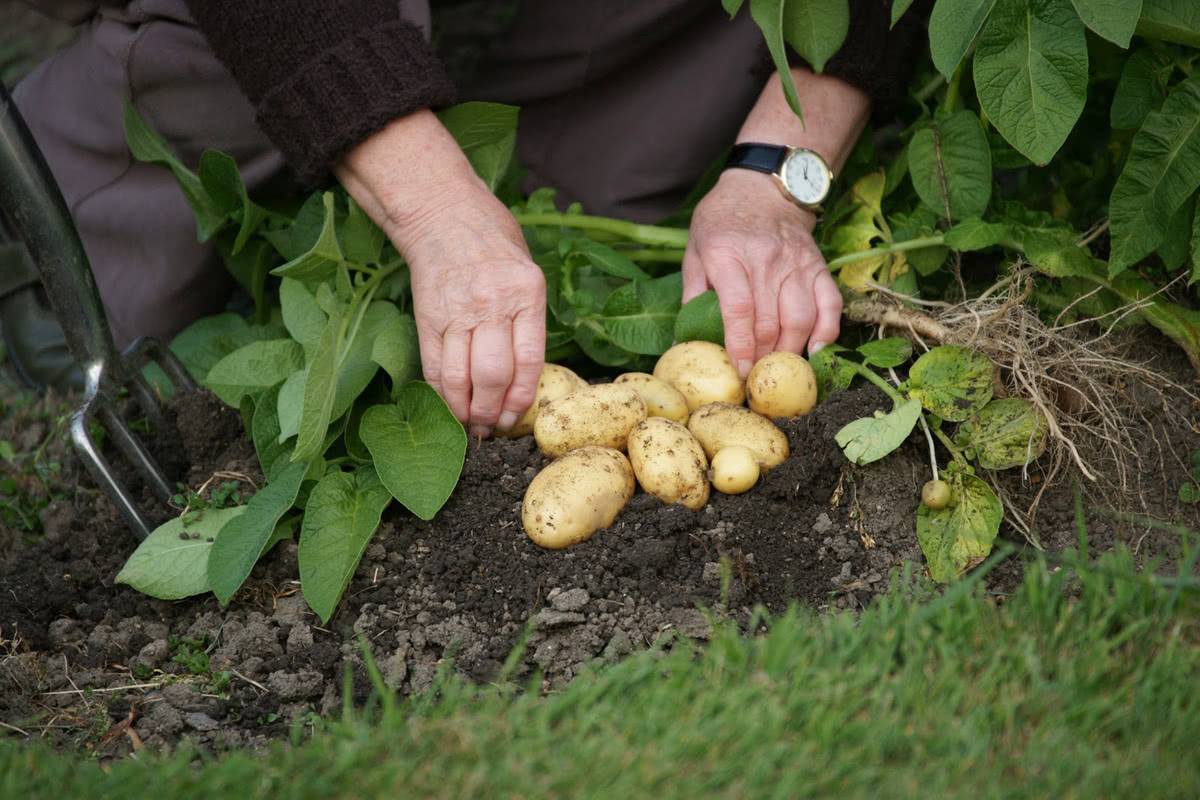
[806,177]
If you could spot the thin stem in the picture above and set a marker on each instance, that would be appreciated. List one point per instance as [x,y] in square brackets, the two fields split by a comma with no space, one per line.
[927,91]
[896,247]
[665,256]
[949,445]
[933,465]
[952,99]
[642,234]
[866,372]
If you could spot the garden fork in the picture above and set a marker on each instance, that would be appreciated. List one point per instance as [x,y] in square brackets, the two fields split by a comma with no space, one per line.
[36,212]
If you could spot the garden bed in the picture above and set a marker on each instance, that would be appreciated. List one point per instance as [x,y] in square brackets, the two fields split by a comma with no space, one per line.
[85,659]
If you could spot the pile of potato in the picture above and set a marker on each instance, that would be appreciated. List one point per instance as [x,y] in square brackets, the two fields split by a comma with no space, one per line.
[682,427]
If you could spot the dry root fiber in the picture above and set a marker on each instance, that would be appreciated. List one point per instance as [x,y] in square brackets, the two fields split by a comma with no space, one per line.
[1081,375]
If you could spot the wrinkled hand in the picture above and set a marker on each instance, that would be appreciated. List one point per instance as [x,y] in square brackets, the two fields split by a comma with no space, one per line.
[480,306]
[755,248]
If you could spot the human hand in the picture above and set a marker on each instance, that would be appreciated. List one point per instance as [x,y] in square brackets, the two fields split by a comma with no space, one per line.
[755,248]
[478,297]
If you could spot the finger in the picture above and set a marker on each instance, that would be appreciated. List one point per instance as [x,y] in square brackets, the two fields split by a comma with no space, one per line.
[829,312]
[491,373]
[529,353]
[694,281]
[737,311]
[765,286]
[431,358]
[797,311]
[456,373]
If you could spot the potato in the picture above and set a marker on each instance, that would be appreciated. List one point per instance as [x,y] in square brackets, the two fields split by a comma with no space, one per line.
[702,372]
[936,495]
[576,496]
[661,398]
[781,385]
[600,415]
[554,383]
[734,470]
[669,463]
[720,425]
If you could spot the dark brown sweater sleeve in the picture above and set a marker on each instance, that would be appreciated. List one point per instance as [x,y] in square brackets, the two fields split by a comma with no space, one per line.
[323,74]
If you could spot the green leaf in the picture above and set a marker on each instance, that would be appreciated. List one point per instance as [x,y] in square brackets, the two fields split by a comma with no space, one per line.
[886,353]
[250,267]
[975,234]
[1189,493]
[815,28]
[320,262]
[341,516]
[220,177]
[1174,250]
[1176,21]
[244,539]
[1195,247]
[1142,87]
[953,26]
[253,368]
[265,433]
[769,16]
[290,405]
[959,536]
[952,382]
[487,133]
[320,388]
[1112,19]
[606,259]
[898,9]
[833,372]
[871,438]
[148,146]
[951,165]
[731,7]
[397,349]
[418,448]
[1031,73]
[172,562]
[302,317]
[640,316]
[360,238]
[1008,432]
[700,320]
[209,339]
[1162,171]
[298,238]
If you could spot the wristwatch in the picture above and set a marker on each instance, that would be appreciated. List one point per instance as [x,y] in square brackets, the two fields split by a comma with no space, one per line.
[800,173]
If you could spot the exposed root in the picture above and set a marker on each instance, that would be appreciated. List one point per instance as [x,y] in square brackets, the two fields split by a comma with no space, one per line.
[1079,375]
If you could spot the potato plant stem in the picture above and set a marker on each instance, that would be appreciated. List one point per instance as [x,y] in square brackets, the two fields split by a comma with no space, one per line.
[668,256]
[655,235]
[897,247]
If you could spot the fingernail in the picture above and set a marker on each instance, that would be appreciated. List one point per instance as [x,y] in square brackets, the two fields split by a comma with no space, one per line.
[507,420]
[744,367]
[813,347]
[479,432]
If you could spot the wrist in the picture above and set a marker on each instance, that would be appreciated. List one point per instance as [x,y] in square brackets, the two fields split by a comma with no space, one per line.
[748,186]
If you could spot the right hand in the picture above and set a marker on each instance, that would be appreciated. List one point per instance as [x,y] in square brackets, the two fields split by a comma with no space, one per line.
[478,297]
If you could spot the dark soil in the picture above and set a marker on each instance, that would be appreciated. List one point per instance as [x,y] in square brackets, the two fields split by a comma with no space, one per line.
[463,587]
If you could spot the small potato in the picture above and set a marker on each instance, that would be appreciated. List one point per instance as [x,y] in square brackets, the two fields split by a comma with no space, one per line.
[720,425]
[661,398]
[781,385]
[669,463]
[598,415]
[702,372]
[576,496]
[554,383]
[734,470]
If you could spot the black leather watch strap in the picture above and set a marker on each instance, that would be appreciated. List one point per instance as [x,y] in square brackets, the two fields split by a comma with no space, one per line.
[756,156]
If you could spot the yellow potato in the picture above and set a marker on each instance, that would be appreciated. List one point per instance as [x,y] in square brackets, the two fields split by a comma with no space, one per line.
[661,398]
[598,415]
[669,463]
[702,372]
[554,383]
[781,385]
[734,470]
[720,425]
[576,496]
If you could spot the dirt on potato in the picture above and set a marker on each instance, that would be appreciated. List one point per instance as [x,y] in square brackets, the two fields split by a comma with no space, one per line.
[86,663]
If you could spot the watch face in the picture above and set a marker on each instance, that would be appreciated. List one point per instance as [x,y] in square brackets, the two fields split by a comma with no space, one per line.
[806,177]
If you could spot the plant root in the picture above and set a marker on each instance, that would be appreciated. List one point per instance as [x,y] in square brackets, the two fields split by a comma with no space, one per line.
[1079,375]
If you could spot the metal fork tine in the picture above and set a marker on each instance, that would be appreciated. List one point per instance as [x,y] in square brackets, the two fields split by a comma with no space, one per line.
[131,447]
[102,473]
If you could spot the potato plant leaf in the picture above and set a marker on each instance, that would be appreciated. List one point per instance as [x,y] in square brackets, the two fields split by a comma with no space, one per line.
[1195,247]
[959,536]
[1141,88]
[769,15]
[1162,171]
[1007,432]
[731,7]
[871,438]
[816,28]
[886,353]
[220,177]
[361,239]
[340,518]
[253,368]
[265,434]
[397,350]
[952,382]
[417,446]
[244,539]
[209,339]
[953,26]
[604,258]
[1112,19]
[898,9]
[833,372]
[1176,21]
[700,320]
[487,133]
[640,316]
[172,562]
[302,317]
[1031,73]
[950,163]
[321,261]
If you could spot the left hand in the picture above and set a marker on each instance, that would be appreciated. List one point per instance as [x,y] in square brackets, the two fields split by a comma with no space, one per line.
[755,248]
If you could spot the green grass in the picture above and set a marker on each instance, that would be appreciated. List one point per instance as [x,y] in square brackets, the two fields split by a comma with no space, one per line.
[1081,684]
